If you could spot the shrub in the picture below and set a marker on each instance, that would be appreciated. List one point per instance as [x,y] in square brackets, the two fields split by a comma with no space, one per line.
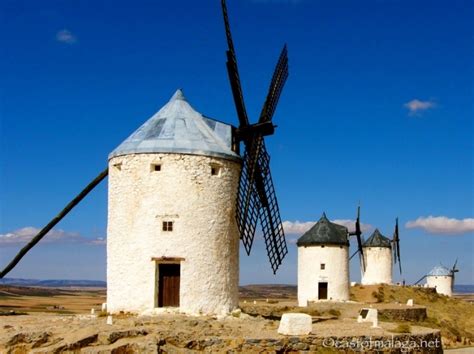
[402,328]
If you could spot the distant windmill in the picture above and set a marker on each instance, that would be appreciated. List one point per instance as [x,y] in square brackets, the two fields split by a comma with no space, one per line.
[378,260]
[180,196]
[323,266]
[441,278]
[377,257]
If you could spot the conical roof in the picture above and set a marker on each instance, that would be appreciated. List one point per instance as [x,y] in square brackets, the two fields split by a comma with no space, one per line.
[324,232]
[377,240]
[440,271]
[178,128]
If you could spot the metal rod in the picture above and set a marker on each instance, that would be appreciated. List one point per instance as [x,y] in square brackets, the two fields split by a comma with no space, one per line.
[53,222]
[354,254]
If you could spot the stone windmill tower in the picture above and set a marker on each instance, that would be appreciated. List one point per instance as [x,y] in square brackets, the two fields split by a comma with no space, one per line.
[172,234]
[323,263]
[181,195]
[442,279]
[377,259]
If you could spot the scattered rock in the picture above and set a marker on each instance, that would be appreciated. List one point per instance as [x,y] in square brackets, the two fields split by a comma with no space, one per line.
[116,335]
[295,324]
[34,338]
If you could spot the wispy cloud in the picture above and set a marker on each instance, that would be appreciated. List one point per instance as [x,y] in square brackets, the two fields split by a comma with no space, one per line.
[298,228]
[442,225]
[25,234]
[66,36]
[416,106]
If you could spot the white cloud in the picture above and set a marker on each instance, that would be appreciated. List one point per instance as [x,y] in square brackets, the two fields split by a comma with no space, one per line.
[25,234]
[442,225]
[350,224]
[297,227]
[417,106]
[66,36]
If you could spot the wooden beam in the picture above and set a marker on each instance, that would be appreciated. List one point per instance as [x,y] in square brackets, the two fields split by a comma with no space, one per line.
[167,259]
[53,222]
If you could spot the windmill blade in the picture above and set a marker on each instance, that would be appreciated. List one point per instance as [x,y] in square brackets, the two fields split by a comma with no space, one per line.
[233,71]
[454,270]
[423,277]
[257,200]
[396,246]
[248,202]
[53,222]
[353,255]
[358,233]
[270,219]
[276,87]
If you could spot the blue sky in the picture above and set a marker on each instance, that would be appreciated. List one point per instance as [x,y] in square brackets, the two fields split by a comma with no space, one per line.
[377,109]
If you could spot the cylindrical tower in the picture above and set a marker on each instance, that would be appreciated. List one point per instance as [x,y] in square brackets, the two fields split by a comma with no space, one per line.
[172,238]
[378,260]
[442,279]
[323,263]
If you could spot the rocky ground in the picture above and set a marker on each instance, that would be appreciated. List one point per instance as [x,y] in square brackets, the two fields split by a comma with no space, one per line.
[59,320]
[47,333]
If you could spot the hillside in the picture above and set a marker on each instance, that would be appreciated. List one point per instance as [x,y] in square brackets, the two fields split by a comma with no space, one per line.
[454,317]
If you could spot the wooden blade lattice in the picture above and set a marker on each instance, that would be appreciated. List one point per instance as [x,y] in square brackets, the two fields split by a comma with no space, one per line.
[248,202]
[276,87]
[270,219]
[257,201]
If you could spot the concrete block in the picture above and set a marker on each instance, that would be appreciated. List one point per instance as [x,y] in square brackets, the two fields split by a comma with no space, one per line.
[295,324]
[410,302]
[368,315]
[109,320]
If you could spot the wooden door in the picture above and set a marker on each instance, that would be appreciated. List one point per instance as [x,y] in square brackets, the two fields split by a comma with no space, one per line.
[168,287]
[322,291]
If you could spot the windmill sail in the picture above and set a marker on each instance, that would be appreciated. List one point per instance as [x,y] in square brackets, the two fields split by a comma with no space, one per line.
[256,197]
[396,246]
[54,221]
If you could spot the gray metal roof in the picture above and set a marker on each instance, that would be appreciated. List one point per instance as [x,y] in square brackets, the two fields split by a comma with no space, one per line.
[378,240]
[178,128]
[440,271]
[324,232]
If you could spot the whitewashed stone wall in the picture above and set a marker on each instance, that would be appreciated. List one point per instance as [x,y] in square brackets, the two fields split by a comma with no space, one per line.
[205,233]
[336,272]
[378,266]
[442,283]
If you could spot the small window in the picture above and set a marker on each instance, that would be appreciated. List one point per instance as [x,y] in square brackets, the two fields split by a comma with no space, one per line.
[156,167]
[322,246]
[215,170]
[167,226]
[118,166]
[323,266]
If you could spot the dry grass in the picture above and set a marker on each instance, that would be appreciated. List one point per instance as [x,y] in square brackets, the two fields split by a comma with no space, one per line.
[58,301]
[454,317]
[402,328]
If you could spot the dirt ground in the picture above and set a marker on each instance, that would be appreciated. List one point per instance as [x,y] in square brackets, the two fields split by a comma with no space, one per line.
[53,317]
[60,301]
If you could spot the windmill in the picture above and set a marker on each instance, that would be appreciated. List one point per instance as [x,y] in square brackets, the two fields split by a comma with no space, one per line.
[396,246]
[441,278]
[256,199]
[358,234]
